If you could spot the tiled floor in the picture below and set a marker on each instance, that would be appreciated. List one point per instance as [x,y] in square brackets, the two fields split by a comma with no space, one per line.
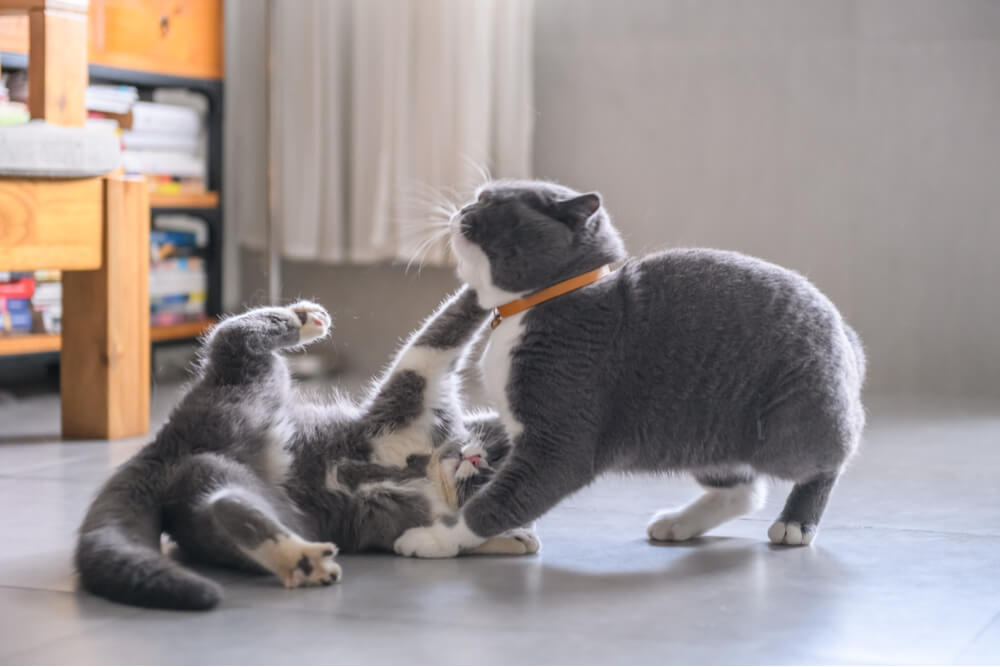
[906,569]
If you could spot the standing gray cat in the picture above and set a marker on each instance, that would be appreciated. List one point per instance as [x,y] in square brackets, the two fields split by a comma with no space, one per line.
[249,473]
[710,362]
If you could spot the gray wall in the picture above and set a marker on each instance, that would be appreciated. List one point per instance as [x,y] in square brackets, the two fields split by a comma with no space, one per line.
[373,307]
[855,141]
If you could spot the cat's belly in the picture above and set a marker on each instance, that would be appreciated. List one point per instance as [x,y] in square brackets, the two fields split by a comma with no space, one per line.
[495,369]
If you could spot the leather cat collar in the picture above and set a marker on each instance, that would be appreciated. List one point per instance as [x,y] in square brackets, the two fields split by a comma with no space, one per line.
[520,305]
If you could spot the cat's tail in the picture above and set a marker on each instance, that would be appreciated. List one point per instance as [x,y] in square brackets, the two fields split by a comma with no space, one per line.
[118,554]
[859,351]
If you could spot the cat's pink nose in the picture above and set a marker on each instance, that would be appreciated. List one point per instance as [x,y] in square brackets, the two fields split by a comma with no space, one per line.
[475,460]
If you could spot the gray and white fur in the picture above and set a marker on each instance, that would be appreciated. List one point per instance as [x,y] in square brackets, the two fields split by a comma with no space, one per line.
[710,362]
[249,473]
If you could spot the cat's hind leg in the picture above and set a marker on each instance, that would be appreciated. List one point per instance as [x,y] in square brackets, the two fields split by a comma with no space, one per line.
[799,520]
[262,538]
[729,494]
[221,513]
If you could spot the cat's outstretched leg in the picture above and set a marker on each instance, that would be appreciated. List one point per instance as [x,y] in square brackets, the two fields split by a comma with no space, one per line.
[727,495]
[223,514]
[799,521]
[263,330]
[262,538]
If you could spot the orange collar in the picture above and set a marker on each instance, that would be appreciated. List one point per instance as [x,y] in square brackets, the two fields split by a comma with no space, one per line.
[521,305]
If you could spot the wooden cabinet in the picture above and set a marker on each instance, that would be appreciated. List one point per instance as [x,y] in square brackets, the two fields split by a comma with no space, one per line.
[179,37]
[175,37]
[14,33]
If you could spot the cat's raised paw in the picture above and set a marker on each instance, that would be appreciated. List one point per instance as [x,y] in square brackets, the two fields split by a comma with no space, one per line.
[672,526]
[313,567]
[314,321]
[791,533]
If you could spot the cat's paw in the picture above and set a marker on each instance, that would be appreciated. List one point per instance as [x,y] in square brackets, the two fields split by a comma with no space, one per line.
[517,542]
[433,541]
[311,564]
[312,319]
[791,533]
[674,525]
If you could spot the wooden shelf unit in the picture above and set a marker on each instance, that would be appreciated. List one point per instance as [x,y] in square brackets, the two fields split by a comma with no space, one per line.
[39,343]
[187,200]
[207,205]
[29,344]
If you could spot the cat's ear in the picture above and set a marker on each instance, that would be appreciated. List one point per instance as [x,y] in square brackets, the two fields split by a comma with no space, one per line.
[577,211]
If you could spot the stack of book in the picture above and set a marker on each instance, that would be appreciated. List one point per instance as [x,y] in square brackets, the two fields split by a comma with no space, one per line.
[30,302]
[16,290]
[47,302]
[162,141]
[177,277]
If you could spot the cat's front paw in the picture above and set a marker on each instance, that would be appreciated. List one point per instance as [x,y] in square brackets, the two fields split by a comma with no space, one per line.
[433,541]
[313,320]
[517,542]
[672,526]
[791,533]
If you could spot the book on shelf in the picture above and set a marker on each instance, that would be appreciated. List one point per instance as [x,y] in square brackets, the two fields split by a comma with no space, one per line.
[15,316]
[160,141]
[173,163]
[110,98]
[16,290]
[30,302]
[163,139]
[178,279]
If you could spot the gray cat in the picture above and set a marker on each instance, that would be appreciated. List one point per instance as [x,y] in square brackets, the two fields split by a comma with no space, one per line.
[248,473]
[710,362]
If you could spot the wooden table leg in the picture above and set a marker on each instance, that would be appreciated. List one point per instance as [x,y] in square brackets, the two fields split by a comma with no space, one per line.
[105,327]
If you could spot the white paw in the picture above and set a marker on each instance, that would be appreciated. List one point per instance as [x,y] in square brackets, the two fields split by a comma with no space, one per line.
[313,320]
[791,533]
[429,542]
[672,526]
[313,567]
[527,538]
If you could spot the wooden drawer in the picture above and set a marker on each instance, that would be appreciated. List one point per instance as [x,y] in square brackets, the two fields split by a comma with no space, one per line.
[179,37]
[14,33]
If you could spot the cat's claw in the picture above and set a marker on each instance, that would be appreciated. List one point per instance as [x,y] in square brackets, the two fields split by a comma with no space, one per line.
[791,533]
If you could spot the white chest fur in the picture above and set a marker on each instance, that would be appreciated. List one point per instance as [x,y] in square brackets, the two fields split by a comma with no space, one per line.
[495,367]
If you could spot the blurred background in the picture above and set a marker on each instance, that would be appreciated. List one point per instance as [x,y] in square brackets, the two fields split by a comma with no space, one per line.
[856,141]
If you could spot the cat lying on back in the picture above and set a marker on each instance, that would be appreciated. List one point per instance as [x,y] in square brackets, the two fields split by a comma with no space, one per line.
[247,473]
[710,362]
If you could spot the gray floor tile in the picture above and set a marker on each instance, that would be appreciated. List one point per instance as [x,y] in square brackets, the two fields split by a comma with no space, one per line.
[903,571]
[985,648]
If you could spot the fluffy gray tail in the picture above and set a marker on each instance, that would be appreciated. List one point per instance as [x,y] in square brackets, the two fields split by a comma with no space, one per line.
[118,555]
[859,351]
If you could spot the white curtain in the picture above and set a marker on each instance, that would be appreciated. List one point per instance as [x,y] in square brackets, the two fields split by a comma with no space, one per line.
[376,106]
